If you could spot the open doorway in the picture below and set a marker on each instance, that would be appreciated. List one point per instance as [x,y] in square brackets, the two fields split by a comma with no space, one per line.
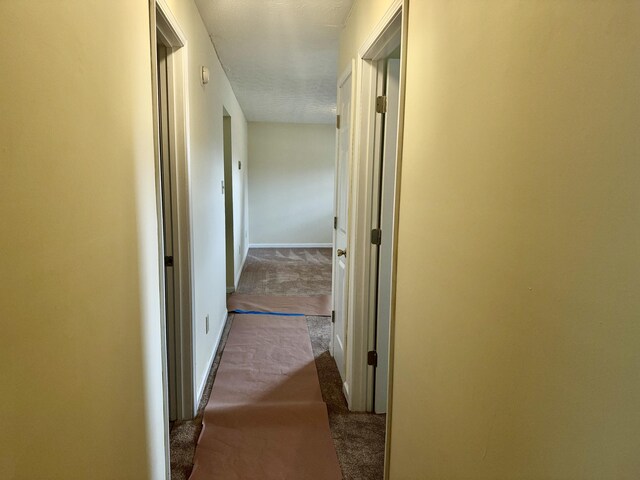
[373,211]
[373,208]
[228,200]
[382,61]
[381,73]
[383,222]
[168,56]
[168,233]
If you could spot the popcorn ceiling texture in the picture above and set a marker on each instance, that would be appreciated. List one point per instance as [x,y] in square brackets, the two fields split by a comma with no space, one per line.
[280,56]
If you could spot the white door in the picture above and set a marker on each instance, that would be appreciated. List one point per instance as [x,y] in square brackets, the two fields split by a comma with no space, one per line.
[340,251]
[387,208]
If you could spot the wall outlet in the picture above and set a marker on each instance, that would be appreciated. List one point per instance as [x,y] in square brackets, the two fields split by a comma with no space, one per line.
[206,324]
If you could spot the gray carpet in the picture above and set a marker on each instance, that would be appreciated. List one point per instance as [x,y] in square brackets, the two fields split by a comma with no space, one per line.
[287,271]
[358,437]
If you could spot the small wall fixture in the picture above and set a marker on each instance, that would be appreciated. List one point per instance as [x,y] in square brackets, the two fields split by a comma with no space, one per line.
[205,75]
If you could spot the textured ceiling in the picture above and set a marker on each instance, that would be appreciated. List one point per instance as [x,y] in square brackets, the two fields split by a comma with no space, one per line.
[280,55]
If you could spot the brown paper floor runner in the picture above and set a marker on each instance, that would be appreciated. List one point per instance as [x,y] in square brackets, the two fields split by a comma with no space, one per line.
[317,305]
[265,418]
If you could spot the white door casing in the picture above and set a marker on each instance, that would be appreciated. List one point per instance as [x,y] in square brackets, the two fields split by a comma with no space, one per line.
[386,225]
[167,224]
[382,43]
[340,264]
[165,30]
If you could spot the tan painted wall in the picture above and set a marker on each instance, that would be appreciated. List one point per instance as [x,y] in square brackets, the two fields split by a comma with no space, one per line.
[517,324]
[81,392]
[291,183]
[80,349]
[364,16]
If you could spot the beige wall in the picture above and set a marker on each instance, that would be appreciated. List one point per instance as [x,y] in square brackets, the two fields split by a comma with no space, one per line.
[80,349]
[291,183]
[81,393]
[517,332]
[364,16]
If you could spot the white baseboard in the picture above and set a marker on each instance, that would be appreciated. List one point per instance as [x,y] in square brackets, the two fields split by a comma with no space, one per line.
[291,245]
[203,382]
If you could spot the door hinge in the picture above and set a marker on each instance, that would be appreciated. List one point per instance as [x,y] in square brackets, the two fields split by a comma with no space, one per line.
[335,222]
[376,236]
[372,358]
[338,122]
[381,104]
[168,261]
[333,316]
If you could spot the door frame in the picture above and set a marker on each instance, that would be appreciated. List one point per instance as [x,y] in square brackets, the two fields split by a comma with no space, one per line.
[378,45]
[383,209]
[374,58]
[362,296]
[165,28]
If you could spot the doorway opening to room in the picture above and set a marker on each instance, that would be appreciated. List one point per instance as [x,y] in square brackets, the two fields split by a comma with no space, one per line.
[227,187]
[365,253]
[383,222]
[168,55]
[167,194]
[382,90]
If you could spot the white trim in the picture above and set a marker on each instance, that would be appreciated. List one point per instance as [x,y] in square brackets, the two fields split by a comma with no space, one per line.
[376,34]
[166,28]
[203,381]
[378,45]
[375,136]
[291,245]
[170,27]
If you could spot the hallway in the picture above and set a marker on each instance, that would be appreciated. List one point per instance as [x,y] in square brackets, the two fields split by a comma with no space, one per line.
[514,332]
[358,437]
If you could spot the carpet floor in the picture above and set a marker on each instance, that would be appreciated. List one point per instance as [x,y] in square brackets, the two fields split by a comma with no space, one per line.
[358,437]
